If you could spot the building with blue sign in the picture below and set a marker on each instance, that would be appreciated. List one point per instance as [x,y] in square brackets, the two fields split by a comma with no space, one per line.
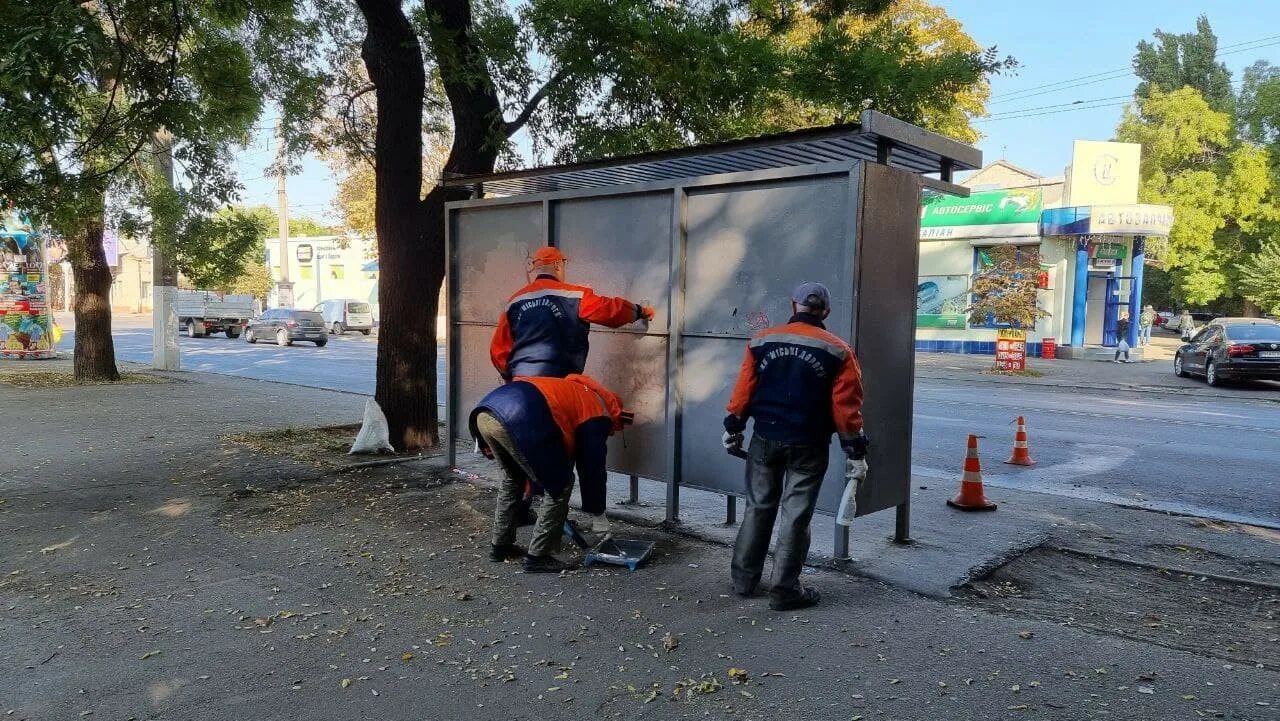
[1085,228]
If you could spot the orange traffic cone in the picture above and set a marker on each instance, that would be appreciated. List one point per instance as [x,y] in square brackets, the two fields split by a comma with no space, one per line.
[971,496]
[1021,454]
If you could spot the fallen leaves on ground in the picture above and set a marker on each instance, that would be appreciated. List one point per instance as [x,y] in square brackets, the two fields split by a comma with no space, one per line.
[670,643]
[739,675]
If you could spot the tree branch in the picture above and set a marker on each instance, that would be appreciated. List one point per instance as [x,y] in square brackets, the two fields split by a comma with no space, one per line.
[514,126]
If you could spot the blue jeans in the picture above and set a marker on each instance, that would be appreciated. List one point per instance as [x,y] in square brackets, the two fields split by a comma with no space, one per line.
[1144,334]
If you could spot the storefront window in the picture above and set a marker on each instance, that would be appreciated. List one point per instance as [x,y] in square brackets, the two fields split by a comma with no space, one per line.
[941,301]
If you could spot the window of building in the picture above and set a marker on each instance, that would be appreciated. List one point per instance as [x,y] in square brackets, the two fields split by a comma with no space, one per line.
[337,272]
[306,273]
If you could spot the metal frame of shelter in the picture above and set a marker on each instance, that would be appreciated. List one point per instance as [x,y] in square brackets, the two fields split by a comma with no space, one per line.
[839,204]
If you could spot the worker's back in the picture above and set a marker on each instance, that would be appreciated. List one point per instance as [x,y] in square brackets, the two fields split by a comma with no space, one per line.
[796,367]
[548,333]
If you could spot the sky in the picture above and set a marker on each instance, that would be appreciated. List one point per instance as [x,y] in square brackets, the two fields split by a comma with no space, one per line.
[1069,51]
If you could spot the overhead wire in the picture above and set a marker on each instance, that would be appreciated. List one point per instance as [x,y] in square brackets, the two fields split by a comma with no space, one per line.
[1074,106]
[1117,73]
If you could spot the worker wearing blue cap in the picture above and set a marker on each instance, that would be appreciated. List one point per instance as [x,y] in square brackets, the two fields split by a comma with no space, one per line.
[800,383]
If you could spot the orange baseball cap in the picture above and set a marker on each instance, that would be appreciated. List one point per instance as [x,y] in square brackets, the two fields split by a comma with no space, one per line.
[547,255]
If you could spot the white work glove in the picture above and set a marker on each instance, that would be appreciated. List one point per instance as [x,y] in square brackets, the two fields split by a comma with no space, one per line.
[855,470]
[731,441]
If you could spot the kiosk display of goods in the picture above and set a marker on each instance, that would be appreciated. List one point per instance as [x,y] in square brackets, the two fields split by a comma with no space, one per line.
[27,330]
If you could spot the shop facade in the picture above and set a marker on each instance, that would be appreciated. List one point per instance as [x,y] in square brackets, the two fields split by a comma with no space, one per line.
[1084,229]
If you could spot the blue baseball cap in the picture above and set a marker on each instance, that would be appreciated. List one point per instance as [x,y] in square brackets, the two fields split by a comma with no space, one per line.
[812,295]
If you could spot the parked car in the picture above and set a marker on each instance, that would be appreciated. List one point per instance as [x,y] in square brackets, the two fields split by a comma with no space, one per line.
[1234,349]
[1174,324]
[345,314]
[286,325]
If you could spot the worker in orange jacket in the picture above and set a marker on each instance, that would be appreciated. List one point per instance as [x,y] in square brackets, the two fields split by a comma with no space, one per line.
[800,383]
[539,430]
[543,331]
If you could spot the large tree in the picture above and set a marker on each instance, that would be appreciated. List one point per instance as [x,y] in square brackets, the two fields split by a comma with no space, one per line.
[1218,188]
[1178,60]
[1209,154]
[585,79]
[91,92]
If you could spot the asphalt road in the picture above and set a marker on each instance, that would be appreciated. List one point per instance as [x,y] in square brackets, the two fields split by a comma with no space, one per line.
[1215,457]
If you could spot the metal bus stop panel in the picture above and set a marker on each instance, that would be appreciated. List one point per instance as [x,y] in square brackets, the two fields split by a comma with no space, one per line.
[620,245]
[887,275]
[492,246]
[477,376]
[748,246]
[635,367]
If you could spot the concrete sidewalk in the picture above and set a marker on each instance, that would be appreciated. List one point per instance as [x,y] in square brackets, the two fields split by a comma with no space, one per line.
[155,570]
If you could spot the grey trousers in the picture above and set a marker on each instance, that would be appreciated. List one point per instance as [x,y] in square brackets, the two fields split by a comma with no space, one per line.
[785,476]
[549,529]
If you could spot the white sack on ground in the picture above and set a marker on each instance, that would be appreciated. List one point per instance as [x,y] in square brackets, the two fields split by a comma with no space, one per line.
[375,434]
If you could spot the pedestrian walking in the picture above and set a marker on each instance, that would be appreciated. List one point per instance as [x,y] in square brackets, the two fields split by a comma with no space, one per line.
[539,430]
[1146,321]
[1186,326]
[543,331]
[800,384]
[1122,338]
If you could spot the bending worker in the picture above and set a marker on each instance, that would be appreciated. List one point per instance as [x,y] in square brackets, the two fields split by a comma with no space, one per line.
[544,329]
[539,429]
[800,383]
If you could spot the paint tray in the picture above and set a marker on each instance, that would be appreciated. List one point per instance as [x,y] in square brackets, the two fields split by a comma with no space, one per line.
[620,552]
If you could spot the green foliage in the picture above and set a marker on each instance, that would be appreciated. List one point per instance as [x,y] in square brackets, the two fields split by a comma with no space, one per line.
[1260,277]
[1007,288]
[1176,61]
[215,248]
[636,75]
[1259,108]
[1218,189]
[298,226]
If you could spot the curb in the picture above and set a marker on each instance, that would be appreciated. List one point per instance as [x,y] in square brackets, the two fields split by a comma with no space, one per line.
[1132,388]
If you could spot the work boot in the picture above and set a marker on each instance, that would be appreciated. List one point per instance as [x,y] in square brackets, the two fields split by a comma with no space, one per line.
[805,598]
[507,552]
[544,564]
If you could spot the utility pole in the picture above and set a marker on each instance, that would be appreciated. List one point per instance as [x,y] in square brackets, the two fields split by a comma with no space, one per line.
[284,288]
[164,276]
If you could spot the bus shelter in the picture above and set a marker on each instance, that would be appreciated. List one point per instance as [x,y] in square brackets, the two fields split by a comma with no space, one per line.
[715,237]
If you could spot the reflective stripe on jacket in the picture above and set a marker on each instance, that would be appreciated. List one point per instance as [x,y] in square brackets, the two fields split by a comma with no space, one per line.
[800,383]
[544,329]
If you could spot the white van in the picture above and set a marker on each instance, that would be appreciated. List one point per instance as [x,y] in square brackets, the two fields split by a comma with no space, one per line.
[346,314]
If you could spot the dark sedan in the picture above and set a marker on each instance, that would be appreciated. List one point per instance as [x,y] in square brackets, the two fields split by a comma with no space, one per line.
[1232,349]
[285,325]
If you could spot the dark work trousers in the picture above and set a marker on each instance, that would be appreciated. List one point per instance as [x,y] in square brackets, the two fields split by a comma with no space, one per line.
[778,475]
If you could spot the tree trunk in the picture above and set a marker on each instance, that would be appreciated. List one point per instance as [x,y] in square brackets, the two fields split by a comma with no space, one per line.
[1251,309]
[95,354]
[410,228]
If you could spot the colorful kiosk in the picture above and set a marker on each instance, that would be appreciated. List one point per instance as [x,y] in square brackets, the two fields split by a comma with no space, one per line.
[27,331]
